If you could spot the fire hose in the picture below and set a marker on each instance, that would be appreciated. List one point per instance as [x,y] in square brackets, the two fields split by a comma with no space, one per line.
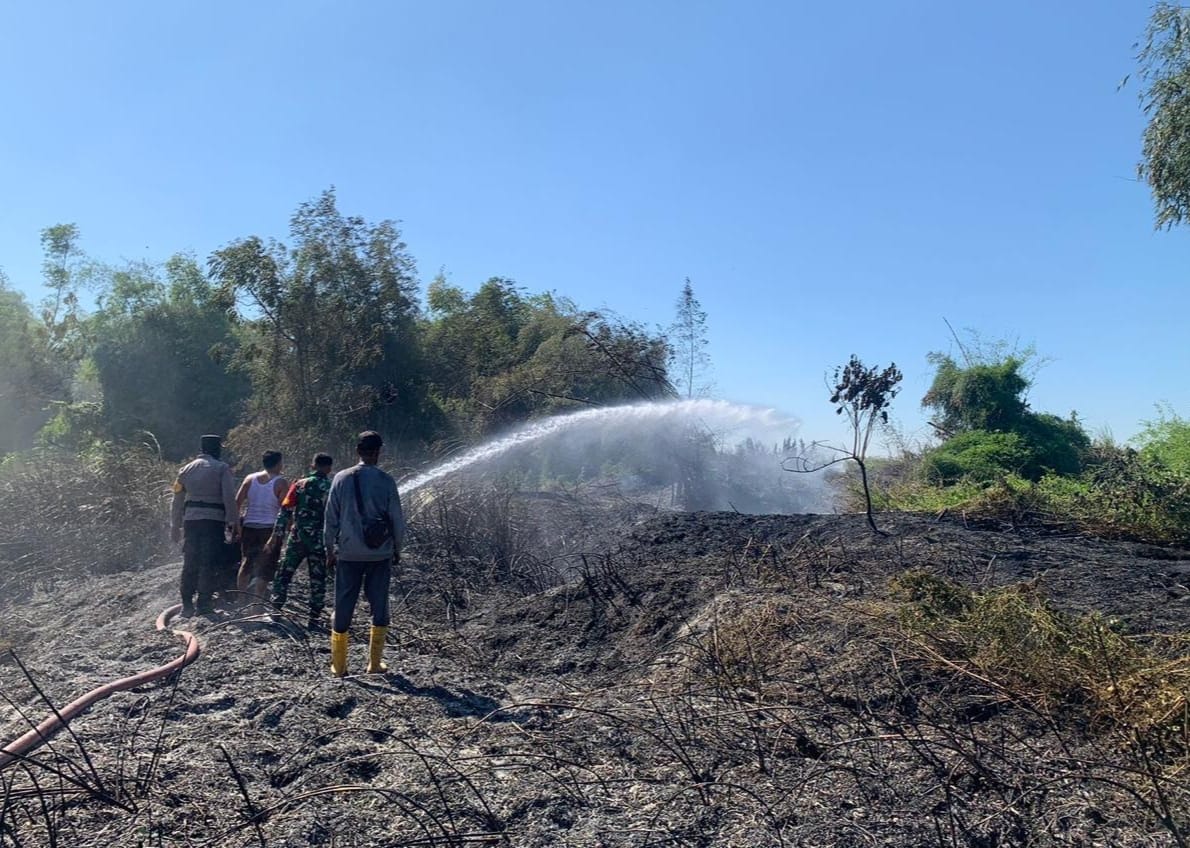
[20,748]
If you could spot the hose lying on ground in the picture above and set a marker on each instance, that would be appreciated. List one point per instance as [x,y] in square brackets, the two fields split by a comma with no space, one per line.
[20,748]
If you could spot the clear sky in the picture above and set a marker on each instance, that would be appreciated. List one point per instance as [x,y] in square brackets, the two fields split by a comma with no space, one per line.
[833,177]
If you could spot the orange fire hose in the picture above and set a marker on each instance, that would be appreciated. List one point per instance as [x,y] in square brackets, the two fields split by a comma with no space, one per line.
[21,747]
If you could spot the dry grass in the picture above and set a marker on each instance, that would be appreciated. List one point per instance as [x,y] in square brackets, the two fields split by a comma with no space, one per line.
[68,515]
[1015,640]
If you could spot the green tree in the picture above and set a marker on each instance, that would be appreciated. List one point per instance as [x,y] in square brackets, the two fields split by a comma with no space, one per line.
[44,355]
[501,356]
[981,396]
[332,342]
[61,340]
[28,382]
[66,271]
[688,345]
[1164,71]
[131,289]
[163,351]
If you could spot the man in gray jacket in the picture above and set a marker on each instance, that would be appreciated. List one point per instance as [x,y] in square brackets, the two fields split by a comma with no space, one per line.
[363,530]
[204,507]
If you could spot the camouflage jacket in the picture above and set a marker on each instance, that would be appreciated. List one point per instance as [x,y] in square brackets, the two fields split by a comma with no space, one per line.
[304,505]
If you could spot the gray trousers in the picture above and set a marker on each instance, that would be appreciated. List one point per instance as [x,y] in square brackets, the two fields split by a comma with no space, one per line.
[373,578]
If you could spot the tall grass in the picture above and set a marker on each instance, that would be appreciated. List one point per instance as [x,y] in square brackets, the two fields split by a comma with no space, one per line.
[66,515]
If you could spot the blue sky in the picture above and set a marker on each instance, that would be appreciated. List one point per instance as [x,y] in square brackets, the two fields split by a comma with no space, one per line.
[834,178]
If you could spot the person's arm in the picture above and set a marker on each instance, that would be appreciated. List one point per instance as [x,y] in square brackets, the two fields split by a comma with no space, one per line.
[242,493]
[280,487]
[177,510]
[396,517]
[231,511]
[330,522]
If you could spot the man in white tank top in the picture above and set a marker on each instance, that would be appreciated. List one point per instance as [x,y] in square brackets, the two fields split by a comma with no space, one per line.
[259,501]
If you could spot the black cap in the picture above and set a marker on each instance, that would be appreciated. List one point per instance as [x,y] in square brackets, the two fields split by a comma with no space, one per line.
[211,445]
[369,442]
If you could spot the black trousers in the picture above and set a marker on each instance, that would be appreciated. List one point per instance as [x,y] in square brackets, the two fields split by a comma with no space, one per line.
[203,555]
[374,578]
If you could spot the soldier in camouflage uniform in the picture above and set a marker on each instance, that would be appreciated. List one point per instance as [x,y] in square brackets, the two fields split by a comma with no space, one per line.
[304,504]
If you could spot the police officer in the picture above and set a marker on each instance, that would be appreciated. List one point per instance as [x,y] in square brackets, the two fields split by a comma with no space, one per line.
[204,508]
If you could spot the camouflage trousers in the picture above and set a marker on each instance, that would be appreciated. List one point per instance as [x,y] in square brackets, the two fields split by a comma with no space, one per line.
[314,553]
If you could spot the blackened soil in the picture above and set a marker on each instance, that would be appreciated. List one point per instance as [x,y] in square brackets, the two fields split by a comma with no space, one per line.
[703,679]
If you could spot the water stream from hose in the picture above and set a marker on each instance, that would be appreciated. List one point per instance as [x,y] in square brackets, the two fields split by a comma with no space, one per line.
[620,424]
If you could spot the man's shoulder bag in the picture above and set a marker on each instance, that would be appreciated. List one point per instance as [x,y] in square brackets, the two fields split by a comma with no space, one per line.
[377,530]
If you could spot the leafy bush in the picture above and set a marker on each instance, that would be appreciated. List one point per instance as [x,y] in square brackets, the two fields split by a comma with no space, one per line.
[1125,495]
[1043,444]
[989,428]
[1167,441]
[915,495]
[978,456]
[1057,445]
[73,426]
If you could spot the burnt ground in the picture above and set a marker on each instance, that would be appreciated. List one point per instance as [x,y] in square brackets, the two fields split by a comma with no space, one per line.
[702,679]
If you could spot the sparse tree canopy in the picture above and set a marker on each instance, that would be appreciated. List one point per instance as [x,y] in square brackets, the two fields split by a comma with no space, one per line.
[334,346]
[862,394]
[62,316]
[1164,60]
[688,353]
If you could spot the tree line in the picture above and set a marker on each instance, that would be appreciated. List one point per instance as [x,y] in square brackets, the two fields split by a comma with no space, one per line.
[293,343]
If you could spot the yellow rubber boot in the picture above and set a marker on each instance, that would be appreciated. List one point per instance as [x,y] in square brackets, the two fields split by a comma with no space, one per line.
[376,650]
[338,653]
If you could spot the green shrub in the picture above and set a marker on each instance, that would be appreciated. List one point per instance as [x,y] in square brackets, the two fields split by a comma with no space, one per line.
[73,426]
[1167,441]
[1125,495]
[1058,445]
[985,395]
[976,456]
[919,496]
[1042,444]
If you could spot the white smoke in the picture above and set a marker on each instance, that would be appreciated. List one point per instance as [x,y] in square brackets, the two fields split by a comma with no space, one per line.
[731,453]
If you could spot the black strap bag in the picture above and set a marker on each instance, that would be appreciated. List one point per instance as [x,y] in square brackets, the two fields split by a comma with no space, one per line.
[377,530]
